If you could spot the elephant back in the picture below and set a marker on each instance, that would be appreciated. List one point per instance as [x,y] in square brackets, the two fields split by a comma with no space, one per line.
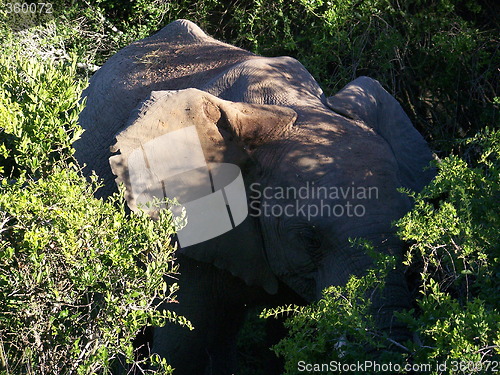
[179,56]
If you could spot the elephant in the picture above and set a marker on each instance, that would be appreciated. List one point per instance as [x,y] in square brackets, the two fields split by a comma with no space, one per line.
[316,172]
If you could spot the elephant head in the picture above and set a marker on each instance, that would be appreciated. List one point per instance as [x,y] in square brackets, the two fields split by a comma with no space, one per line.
[317,171]
[314,179]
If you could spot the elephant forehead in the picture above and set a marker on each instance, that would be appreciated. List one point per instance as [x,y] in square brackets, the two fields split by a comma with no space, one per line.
[334,157]
[262,80]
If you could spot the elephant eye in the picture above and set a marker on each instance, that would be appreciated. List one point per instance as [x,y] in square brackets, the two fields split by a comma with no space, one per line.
[312,241]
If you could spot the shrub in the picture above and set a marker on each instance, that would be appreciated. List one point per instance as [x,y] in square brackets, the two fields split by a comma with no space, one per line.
[455,245]
[38,114]
[79,278]
[338,330]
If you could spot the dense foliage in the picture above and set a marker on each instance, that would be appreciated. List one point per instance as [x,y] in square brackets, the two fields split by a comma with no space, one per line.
[440,59]
[339,328]
[455,242]
[455,248]
[38,115]
[79,278]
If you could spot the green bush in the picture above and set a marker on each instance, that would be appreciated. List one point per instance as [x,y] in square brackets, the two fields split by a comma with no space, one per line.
[455,245]
[79,278]
[38,114]
[337,330]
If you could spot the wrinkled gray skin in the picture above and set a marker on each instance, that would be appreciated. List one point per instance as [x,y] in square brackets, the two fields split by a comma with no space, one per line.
[284,133]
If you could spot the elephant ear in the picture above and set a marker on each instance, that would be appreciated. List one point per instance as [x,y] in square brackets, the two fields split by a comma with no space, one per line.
[190,145]
[365,100]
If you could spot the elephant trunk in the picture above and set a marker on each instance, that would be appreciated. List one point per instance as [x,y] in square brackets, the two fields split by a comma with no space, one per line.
[393,296]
